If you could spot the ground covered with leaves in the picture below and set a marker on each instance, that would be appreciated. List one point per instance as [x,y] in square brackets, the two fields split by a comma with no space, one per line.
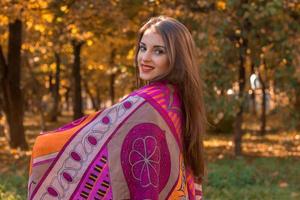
[269,168]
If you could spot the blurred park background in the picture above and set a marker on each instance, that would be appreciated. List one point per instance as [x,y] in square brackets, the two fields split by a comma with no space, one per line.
[62,59]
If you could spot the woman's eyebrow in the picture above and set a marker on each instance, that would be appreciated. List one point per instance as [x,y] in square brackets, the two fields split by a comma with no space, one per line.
[160,46]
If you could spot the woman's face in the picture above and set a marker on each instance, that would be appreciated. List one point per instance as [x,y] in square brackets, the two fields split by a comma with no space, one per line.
[152,56]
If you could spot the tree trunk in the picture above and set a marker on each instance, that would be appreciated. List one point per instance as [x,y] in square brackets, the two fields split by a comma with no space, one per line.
[98,98]
[55,92]
[238,131]
[37,93]
[89,93]
[297,105]
[253,95]
[77,98]
[67,98]
[263,112]
[112,87]
[253,99]
[243,42]
[12,93]
[263,109]
[112,77]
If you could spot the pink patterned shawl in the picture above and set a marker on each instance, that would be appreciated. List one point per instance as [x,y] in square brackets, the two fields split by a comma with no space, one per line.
[131,150]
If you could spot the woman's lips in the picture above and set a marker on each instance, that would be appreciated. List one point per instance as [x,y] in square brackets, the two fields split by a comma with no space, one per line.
[146,68]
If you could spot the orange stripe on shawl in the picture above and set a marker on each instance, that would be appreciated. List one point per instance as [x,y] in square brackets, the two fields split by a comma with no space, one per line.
[177,191]
[52,142]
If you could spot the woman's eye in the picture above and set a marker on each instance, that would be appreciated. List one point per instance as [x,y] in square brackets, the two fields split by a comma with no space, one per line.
[142,48]
[159,51]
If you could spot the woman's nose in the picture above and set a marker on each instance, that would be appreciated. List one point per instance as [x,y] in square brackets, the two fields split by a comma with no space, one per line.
[146,56]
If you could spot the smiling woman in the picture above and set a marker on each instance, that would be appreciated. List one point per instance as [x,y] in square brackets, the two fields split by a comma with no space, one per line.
[152,57]
[166,53]
[148,146]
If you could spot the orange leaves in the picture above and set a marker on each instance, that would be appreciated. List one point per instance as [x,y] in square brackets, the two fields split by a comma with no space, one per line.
[221,5]
[3,20]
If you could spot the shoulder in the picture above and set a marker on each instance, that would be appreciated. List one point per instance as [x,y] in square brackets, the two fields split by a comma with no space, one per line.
[163,93]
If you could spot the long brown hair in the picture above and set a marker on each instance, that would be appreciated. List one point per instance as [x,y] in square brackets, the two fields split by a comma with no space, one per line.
[184,73]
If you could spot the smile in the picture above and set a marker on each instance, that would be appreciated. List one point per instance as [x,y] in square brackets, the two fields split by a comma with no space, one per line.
[146,68]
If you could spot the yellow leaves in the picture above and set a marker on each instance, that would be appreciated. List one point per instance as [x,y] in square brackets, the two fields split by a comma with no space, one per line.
[3,20]
[43,50]
[29,47]
[89,42]
[217,142]
[177,13]
[74,30]
[29,24]
[87,35]
[44,68]
[262,55]
[238,32]
[59,19]
[39,27]
[52,67]
[17,153]
[63,82]
[241,41]
[284,61]
[43,4]
[221,5]
[90,67]
[130,54]
[95,67]
[33,4]
[123,69]
[101,67]
[80,35]
[64,9]
[48,17]
[50,44]
[156,2]
[36,59]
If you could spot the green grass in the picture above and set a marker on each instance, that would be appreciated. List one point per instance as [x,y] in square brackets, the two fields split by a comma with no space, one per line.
[13,185]
[259,178]
[228,179]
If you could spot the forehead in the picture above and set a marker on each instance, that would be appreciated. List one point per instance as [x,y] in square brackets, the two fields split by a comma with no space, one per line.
[151,37]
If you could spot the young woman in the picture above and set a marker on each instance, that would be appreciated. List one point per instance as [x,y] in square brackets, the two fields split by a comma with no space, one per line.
[148,146]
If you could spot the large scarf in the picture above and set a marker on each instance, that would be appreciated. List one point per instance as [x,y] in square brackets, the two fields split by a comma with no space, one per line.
[131,150]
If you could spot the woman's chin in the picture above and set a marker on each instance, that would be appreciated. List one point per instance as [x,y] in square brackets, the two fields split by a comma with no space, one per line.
[145,78]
